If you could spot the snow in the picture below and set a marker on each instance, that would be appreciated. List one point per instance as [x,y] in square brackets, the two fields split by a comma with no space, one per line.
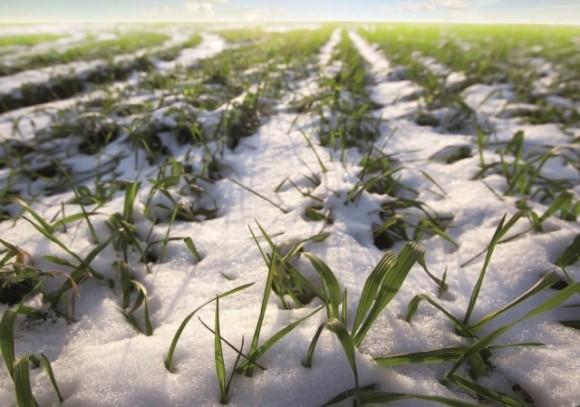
[211,45]
[99,360]
[12,83]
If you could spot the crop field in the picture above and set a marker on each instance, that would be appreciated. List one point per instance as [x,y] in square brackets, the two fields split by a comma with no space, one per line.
[332,214]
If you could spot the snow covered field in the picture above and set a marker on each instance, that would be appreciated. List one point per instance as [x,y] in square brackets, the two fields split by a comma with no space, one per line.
[130,204]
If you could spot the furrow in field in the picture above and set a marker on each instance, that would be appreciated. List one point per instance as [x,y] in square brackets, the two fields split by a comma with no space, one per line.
[63,81]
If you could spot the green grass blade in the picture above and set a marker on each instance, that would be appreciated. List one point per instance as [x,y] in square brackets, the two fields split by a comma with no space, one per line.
[69,219]
[191,246]
[259,351]
[329,283]
[232,347]
[131,189]
[335,326]
[48,369]
[84,214]
[43,224]
[450,354]
[430,178]
[322,166]
[169,357]
[414,305]
[21,376]
[267,289]
[79,271]
[484,342]
[372,286]
[7,338]
[545,282]
[220,366]
[562,201]
[344,309]
[500,231]
[349,393]
[570,254]
[131,320]
[310,354]
[259,195]
[395,275]
[496,397]
[475,293]
[386,397]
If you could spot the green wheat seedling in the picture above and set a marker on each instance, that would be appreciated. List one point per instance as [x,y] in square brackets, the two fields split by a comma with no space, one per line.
[292,288]
[174,180]
[93,49]
[479,351]
[256,350]
[27,39]
[565,203]
[224,383]
[379,289]
[569,256]
[81,267]
[265,198]
[345,111]
[403,215]
[19,279]
[141,300]
[19,369]
[523,171]
[168,361]
[172,53]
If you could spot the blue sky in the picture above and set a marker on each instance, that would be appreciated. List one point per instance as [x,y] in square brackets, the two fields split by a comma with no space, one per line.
[476,11]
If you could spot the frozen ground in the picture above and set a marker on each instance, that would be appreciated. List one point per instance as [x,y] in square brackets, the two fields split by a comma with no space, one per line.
[99,360]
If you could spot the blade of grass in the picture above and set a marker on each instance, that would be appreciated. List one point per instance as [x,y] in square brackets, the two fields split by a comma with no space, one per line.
[322,166]
[475,293]
[570,254]
[191,246]
[267,289]
[220,366]
[329,283]
[492,395]
[461,327]
[284,211]
[169,357]
[310,354]
[450,354]
[238,351]
[395,275]
[21,376]
[548,305]
[259,351]
[545,282]
[372,286]
[7,338]
[48,369]
[335,326]
[375,397]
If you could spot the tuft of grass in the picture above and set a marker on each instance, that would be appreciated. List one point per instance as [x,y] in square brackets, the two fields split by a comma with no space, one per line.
[168,361]
[19,369]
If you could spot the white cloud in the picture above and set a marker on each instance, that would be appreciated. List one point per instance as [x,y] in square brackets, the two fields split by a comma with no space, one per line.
[429,5]
[257,14]
[202,7]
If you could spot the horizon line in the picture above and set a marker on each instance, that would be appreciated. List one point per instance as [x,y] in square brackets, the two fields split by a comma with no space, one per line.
[277,21]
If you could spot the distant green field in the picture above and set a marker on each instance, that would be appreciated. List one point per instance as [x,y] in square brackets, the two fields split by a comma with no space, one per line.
[28,40]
